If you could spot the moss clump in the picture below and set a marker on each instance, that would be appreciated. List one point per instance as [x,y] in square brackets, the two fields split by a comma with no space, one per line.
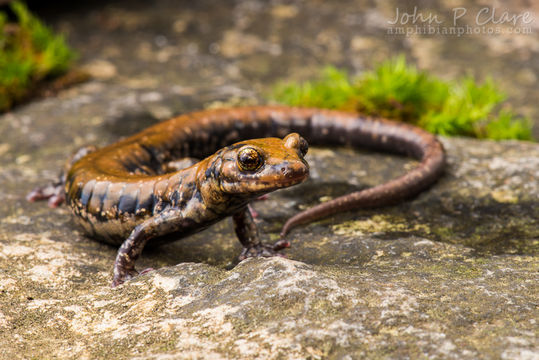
[333,91]
[400,91]
[29,53]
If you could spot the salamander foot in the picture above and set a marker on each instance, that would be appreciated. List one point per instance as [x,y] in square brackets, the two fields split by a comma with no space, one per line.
[260,250]
[119,280]
[145,271]
[123,276]
[54,193]
[281,244]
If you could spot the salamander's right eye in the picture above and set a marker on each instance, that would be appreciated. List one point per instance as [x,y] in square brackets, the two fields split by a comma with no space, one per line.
[249,159]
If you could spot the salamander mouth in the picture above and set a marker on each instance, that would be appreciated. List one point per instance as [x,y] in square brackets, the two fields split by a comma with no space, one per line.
[276,177]
[293,177]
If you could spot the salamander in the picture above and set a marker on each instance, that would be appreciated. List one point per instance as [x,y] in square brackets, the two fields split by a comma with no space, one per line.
[130,192]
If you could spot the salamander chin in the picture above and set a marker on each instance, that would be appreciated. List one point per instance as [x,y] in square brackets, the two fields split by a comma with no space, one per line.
[262,165]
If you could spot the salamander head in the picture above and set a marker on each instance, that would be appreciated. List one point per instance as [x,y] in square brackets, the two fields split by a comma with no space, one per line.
[260,166]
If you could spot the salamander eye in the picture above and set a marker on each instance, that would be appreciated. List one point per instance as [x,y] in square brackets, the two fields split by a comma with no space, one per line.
[249,159]
[303,146]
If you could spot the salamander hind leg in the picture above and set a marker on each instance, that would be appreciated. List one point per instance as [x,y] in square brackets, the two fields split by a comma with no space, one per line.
[247,233]
[167,222]
[54,191]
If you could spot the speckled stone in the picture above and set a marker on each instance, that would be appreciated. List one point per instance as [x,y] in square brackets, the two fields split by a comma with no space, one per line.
[450,274]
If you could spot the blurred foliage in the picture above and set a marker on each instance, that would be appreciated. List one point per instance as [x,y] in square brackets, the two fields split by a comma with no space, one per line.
[29,53]
[333,91]
[396,90]
[399,91]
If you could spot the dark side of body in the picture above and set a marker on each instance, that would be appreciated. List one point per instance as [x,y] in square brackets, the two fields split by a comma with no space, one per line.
[136,191]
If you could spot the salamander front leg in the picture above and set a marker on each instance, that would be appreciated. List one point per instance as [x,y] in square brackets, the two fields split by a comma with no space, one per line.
[247,233]
[165,223]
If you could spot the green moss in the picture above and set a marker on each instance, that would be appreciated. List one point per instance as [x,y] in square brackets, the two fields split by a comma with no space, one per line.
[400,91]
[466,104]
[333,91]
[507,126]
[29,53]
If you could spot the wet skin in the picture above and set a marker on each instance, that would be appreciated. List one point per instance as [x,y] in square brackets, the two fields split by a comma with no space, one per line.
[133,192]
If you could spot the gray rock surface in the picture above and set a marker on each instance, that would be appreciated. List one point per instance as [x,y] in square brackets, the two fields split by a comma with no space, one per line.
[452,274]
